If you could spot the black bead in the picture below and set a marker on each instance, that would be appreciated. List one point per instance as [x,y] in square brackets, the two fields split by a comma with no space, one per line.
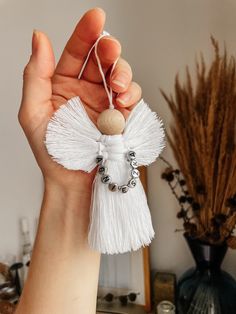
[135,173]
[99,159]
[132,183]
[131,155]
[113,187]
[102,169]
[182,182]
[106,179]
[134,163]
[124,188]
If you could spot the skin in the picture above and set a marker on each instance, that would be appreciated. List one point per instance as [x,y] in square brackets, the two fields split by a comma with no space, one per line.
[63,273]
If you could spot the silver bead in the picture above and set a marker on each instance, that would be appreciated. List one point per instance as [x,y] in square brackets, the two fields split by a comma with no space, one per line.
[131,155]
[102,169]
[113,187]
[134,163]
[124,188]
[99,159]
[106,179]
[132,183]
[135,173]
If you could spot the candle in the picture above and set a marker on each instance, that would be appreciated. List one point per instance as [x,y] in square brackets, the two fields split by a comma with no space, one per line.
[165,307]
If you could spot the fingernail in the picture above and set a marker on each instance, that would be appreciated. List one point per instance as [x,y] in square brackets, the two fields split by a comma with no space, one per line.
[124,99]
[35,41]
[120,80]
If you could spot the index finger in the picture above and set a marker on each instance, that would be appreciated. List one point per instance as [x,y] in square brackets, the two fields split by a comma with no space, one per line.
[85,34]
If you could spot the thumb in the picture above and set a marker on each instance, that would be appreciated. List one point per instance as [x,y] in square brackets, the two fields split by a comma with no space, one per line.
[37,86]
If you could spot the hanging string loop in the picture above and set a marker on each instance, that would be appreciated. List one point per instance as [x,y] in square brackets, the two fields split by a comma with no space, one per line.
[107,88]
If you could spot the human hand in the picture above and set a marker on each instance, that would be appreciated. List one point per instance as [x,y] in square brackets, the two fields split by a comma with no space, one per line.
[61,249]
[46,87]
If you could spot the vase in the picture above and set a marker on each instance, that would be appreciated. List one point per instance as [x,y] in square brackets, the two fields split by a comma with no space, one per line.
[206,288]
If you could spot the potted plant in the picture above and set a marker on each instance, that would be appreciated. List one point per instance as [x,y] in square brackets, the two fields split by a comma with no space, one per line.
[203,140]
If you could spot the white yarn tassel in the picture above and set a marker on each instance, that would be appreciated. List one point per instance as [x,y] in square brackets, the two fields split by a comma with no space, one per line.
[119,222]
[122,222]
[71,137]
[144,133]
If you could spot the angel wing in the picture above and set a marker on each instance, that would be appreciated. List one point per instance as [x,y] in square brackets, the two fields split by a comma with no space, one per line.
[72,138]
[144,133]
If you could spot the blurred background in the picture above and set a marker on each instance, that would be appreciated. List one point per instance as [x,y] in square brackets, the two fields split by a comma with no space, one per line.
[159,38]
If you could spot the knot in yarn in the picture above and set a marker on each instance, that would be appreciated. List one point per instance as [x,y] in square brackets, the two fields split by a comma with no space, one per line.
[112,147]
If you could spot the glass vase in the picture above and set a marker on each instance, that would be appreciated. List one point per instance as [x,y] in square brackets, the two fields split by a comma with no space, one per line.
[206,288]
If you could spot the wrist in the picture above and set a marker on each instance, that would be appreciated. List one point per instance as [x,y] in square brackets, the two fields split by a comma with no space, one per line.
[62,254]
[70,193]
[67,197]
[70,206]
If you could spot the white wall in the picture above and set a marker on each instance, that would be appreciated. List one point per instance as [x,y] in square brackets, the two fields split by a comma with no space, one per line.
[159,38]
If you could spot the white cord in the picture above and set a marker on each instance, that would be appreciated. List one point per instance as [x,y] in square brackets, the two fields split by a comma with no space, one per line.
[108,91]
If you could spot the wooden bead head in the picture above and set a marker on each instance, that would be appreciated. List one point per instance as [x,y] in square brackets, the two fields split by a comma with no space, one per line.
[111,122]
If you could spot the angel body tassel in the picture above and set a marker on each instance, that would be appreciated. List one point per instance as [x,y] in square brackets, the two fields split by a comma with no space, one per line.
[120,219]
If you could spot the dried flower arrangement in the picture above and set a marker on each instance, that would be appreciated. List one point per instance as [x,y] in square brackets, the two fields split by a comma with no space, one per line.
[203,140]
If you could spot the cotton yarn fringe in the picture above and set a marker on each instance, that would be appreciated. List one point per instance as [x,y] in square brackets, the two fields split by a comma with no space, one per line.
[118,222]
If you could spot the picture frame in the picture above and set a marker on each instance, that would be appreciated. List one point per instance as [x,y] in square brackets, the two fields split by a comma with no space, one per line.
[126,273]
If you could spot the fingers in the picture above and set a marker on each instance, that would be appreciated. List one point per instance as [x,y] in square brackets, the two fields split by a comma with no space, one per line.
[37,88]
[85,34]
[109,50]
[130,97]
[121,77]
[93,95]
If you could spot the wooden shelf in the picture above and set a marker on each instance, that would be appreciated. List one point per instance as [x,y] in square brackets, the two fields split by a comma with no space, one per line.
[116,308]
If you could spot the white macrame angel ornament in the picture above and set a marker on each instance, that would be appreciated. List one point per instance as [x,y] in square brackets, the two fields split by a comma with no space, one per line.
[120,219]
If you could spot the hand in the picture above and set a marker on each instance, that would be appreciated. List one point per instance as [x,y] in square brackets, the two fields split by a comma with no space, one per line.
[46,87]
[61,250]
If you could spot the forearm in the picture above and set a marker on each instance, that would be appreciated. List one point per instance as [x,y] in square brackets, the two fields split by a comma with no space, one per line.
[63,273]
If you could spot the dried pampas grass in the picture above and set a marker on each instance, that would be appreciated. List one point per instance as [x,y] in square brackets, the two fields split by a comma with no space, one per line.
[202,138]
